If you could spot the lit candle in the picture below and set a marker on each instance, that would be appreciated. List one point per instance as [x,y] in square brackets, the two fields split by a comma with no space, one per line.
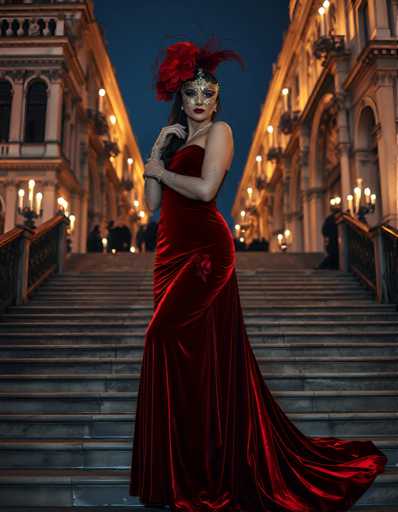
[270,130]
[72,219]
[333,201]
[322,11]
[104,243]
[132,249]
[66,207]
[31,186]
[337,200]
[39,197]
[60,202]
[250,192]
[113,251]
[285,93]
[280,237]
[113,119]
[349,200]
[130,160]
[373,199]
[357,193]
[136,203]
[367,193]
[237,228]
[326,5]
[242,213]
[288,234]
[21,194]
[101,94]
[259,160]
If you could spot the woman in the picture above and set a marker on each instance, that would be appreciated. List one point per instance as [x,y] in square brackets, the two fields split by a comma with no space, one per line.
[208,435]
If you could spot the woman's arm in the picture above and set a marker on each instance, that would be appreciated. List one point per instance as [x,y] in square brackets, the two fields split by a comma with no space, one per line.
[152,194]
[217,159]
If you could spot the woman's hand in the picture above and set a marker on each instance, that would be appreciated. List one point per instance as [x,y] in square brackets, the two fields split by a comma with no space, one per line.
[153,168]
[164,137]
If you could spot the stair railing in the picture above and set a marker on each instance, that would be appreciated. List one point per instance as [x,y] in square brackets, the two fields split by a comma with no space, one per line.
[28,257]
[370,253]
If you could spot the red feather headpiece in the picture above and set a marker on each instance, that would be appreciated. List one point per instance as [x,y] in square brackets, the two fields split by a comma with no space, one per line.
[183,60]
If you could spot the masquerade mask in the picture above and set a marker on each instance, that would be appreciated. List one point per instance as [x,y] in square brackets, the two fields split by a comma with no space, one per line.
[186,61]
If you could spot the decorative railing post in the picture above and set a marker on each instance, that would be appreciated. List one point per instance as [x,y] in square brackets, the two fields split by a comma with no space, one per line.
[23,265]
[380,266]
[344,255]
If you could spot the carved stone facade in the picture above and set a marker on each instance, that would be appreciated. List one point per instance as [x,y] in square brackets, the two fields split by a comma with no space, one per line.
[56,128]
[329,117]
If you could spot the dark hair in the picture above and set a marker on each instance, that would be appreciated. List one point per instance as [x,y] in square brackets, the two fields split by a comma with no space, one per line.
[179,116]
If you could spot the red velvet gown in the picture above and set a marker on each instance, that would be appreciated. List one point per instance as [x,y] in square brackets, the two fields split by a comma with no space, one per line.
[209,436]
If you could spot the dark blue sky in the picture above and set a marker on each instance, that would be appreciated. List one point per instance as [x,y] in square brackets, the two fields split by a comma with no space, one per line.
[135,33]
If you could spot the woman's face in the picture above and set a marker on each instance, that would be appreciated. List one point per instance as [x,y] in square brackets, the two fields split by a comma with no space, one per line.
[199,94]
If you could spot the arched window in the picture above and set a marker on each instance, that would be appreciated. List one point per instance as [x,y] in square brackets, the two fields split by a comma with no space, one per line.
[5,109]
[36,106]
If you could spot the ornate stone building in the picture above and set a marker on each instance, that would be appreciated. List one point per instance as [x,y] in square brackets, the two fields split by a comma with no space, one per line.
[329,118]
[63,122]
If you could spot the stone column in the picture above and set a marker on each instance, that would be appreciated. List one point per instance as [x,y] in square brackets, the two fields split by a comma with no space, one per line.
[83,222]
[11,204]
[378,19]
[304,184]
[344,142]
[50,189]
[17,106]
[387,145]
[54,113]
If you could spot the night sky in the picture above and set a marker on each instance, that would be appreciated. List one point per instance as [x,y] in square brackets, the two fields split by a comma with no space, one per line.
[136,32]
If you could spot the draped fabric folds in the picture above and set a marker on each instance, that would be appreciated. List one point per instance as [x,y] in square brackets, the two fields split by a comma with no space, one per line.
[209,436]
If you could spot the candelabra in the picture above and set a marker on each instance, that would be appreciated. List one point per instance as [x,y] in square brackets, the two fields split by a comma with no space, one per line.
[356,206]
[33,210]
[284,239]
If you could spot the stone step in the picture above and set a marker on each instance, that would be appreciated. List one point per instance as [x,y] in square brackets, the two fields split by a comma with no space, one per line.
[309,308]
[114,292]
[99,425]
[271,302]
[35,316]
[79,487]
[252,284]
[100,336]
[252,325]
[286,365]
[118,402]
[106,453]
[104,382]
[305,349]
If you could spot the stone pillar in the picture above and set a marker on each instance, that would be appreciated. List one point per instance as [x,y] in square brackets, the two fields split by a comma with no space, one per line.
[304,184]
[344,141]
[54,114]
[378,19]
[83,222]
[11,204]
[16,108]
[315,199]
[387,146]
[50,188]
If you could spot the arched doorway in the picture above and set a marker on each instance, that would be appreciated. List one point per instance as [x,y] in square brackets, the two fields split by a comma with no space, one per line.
[325,172]
[367,158]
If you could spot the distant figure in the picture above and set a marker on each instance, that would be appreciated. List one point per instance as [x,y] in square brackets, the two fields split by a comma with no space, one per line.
[258,244]
[150,236]
[94,240]
[140,238]
[110,227]
[125,235]
[329,231]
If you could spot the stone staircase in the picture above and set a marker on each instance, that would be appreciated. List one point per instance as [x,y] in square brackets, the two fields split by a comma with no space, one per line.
[70,362]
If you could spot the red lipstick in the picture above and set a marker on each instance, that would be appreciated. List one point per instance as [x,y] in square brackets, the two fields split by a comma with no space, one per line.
[198,110]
